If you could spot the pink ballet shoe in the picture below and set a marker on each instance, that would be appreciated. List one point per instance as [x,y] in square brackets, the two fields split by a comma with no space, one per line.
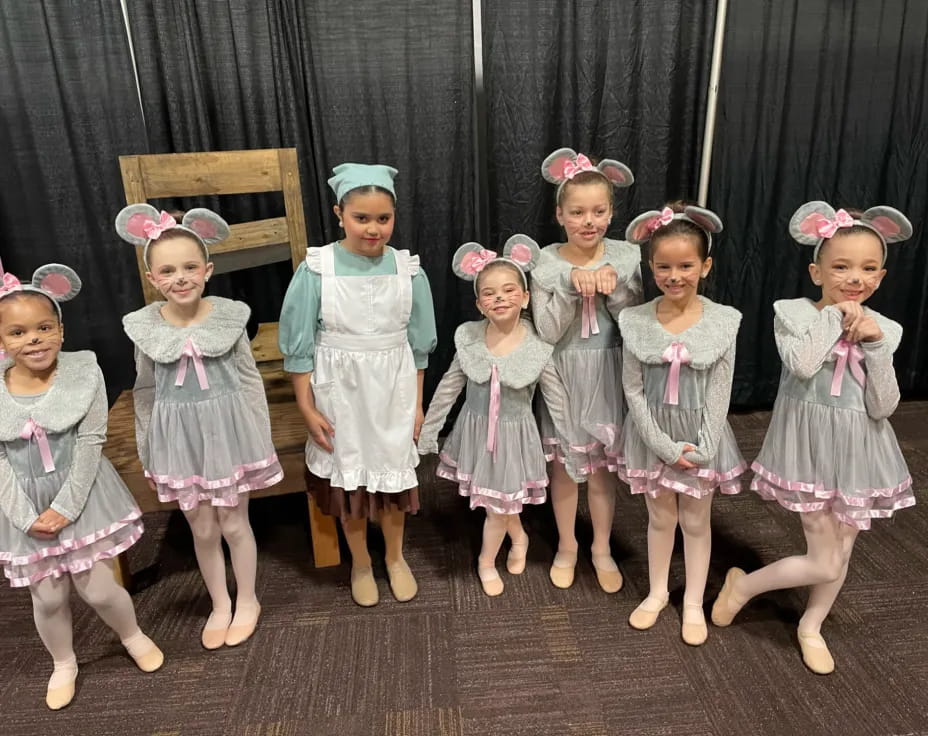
[725,609]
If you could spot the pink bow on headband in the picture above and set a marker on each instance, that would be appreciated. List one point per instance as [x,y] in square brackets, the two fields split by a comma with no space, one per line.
[571,169]
[474,262]
[10,283]
[827,228]
[664,218]
[154,229]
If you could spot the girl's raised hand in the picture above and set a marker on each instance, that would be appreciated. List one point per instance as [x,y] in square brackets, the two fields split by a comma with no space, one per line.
[852,311]
[864,330]
[320,429]
[606,279]
[682,462]
[583,281]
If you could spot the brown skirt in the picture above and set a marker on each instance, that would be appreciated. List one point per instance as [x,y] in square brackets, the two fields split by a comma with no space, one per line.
[359,504]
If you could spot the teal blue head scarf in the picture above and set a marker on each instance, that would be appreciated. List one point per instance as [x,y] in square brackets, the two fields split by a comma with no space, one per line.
[351,176]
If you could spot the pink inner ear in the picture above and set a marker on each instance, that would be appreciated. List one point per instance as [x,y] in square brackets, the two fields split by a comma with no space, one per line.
[521,254]
[56,284]
[614,173]
[642,231]
[556,168]
[885,226]
[809,226]
[136,224]
[204,228]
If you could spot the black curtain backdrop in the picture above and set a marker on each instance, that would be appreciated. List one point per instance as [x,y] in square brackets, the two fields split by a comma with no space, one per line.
[819,100]
[68,108]
[365,81]
[622,80]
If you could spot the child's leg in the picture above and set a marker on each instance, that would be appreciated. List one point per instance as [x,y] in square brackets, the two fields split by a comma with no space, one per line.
[207,543]
[518,550]
[99,590]
[494,530]
[564,502]
[822,596]
[695,515]
[236,530]
[402,582]
[601,499]
[823,562]
[363,586]
[662,525]
[52,614]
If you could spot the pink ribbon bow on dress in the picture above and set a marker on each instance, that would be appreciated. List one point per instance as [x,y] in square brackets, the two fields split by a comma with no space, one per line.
[189,352]
[495,399]
[153,230]
[30,430]
[827,228]
[588,322]
[571,169]
[676,354]
[847,353]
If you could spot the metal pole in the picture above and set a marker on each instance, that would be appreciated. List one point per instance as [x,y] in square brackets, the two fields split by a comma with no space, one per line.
[481,192]
[712,99]
[135,68]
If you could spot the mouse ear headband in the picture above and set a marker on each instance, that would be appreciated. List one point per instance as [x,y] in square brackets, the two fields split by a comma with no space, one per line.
[642,228]
[471,258]
[55,281]
[565,163]
[814,222]
[142,224]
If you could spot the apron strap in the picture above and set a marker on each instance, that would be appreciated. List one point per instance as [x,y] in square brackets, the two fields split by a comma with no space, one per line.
[327,259]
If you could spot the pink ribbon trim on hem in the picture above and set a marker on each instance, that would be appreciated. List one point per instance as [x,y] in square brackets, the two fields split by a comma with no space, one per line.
[32,430]
[819,491]
[197,480]
[191,352]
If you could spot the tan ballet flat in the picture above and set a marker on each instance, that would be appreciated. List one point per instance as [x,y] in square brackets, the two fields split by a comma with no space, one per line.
[490,580]
[242,632]
[363,587]
[724,609]
[151,661]
[694,634]
[402,583]
[816,658]
[515,560]
[57,698]
[562,569]
[607,573]
[645,615]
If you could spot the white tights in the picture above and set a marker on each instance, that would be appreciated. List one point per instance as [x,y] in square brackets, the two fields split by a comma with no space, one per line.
[210,525]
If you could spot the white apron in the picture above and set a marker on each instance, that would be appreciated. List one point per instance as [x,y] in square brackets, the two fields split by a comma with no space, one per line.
[364,379]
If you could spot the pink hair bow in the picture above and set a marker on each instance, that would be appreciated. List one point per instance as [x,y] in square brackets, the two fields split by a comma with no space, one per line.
[664,218]
[676,354]
[847,354]
[475,261]
[30,430]
[827,228]
[10,283]
[571,169]
[191,352]
[153,230]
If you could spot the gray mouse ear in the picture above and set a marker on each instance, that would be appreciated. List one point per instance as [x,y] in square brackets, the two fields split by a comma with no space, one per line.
[809,223]
[135,221]
[618,173]
[209,226]
[706,219]
[470,259]
[522,250]
[59,282]
[640,229]
[552,168]
[889,222]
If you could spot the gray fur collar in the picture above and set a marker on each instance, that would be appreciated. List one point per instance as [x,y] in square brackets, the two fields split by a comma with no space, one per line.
[800,313]
[519,369]
[706,341]
[163,342]
[66,403]
[623,256]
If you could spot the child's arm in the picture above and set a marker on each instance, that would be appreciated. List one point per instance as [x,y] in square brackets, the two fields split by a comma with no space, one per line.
[626,294]
[252,383]
[881,395]
[421,332]
[554,306]
[85,461]
[14,503]
[450,386]
[655,438]
[718,397]
[143,400]
[803,351]
[556,399]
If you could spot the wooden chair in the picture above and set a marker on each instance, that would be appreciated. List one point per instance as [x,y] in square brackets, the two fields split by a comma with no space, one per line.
[250,244]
